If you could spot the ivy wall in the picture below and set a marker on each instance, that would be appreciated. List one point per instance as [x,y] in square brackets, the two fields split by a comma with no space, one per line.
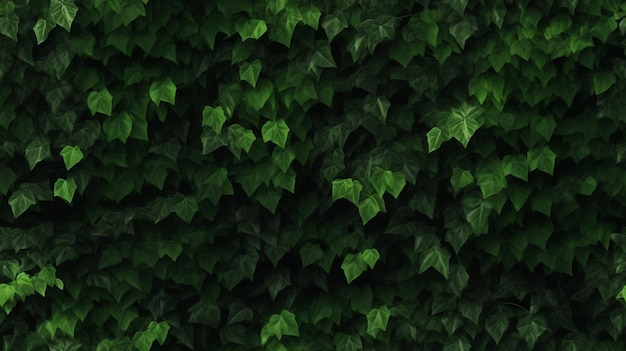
[312,175]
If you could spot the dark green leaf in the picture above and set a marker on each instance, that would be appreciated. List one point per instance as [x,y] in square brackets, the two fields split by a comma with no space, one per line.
[310,253]
[333,24]
[206,313]
[159,331]
[541,158]
[437,258]
[42,28]
[100,101]
[344,342]
[516,165]
[377,106]
[9,25]
[531,328]
[460,179]
[163,91]
[118,127]
[185,207]
[496,325]
[21,200]
[460,344]
[37,151]
[463,30]
[369,208]
[7,177]
[436,137]
[63,12]
[249,72]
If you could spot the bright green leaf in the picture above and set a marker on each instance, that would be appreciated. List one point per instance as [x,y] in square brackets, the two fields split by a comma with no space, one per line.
[462,123]
[143,340]
[377,320]
[370,256]
[368,208]
[477,215]
[249,72]
[542,159]
[42,28]
[437,258]
[436,137]
[71,156]
[159,331]
[100,101]
[251,29]
[353,266]
[163,91]
[283,324]
[7,292]
[118,127]
[214,118]
[63,12]
[65,189]
[276,132]
[347,189]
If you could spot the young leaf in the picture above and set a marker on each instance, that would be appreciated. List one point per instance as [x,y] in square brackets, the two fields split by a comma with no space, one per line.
[370,256]
[368,208]
[463,122]
[252,29]
[21,200]
[436,137]
[42,28]
[63,12]
[377,320]
[541,158]
[249,72]
[437,258]
[100,101]
[71,156]
[347,189]
[460,179]
[118,127]
[159,331]
[353,266]
[214,118]
[65,189]
[276,132]
[283,324]
[164,90]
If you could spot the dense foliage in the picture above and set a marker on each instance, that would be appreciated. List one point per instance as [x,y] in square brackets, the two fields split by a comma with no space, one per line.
[312,175]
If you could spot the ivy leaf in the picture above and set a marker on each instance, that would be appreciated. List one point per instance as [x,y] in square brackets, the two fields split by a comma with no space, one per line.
[37,151]
[437,258]
[310,253]
[463,30]
[384,180]
[63,12]
[370,256]
[457,5]
[377,320]
[9,25]
[460,344]
[100,101]
[496,325]
[65,189]
[159,331]
[333,25]
[71,156]
[344,342]
[515,165]
[252,29]
[435,137]
[205,313]
[491,181]
[7,293]
[143,340]
[214,118]
[477,215]
[21,200]
[276,132]
[377,106]
[249,72]
[347,189]
[118,127]
[542,159]
[185,207]
[531,328]
[283,324]
[164,90]
[42,28]
[588,186]
[368,208]
[283,158]
[460,179]
[463,122]
[602,81]
[353,266]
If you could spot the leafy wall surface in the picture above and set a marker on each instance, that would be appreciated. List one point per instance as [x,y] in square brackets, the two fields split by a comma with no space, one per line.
[312,175]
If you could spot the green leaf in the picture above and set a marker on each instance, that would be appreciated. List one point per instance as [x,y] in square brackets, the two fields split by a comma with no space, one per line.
[205,313]
[7,293]
[602,81]
[100,101]
[471,310]
[159,331]
[543,126]
[344,342]
[370,256]
[377,320]
[283,158]
[252,29]
[214,118]
[515,165]
[71,156]
[437,258]
[21,200]
[249,72]
[257,97]
[477,215]
[42,28]
[169,248]
[63,12]
[457,5]
[369,208]
[436,137]
[164,90]
[283,324]
[118,127]
[276,132]
[143,340]
[333,25]
[353,266]
[491,181]
[240,137]
[65,189]
[542,159]
[460,179]
[531,327]
[496,325]
[310,253]
[185,207]
[622,294]
[460,344]
[463,30]
[322,57]
[347,189]
[37,151]
[463,122]
[588,186]
[558,25]
[383,180]
[9,25]
[377,106]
